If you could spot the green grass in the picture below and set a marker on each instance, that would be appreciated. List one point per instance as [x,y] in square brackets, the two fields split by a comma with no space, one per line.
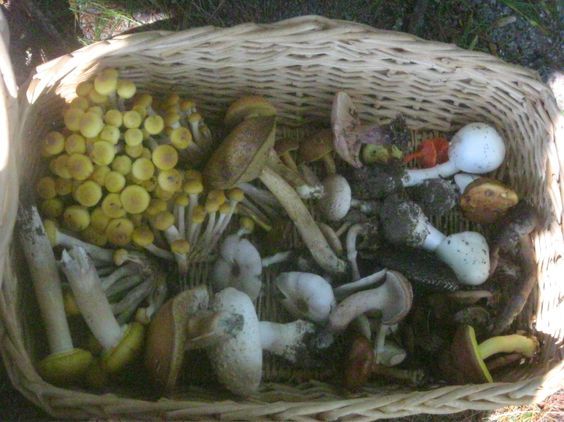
[531,11]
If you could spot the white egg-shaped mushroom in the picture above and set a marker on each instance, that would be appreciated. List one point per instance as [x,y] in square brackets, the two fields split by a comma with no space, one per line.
[476,148]
[336,200]
[238,361]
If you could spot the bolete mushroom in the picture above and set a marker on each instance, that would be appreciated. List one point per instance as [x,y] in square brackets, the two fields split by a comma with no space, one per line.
[65,363]
[284,148]
[242,157]
[465,361]
[247,106]
[467,253]
[306,295]
[319,147]
[484,200]
[476,148]
[183,323]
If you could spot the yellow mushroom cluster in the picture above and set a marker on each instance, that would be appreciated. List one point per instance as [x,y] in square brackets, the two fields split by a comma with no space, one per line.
[121,172]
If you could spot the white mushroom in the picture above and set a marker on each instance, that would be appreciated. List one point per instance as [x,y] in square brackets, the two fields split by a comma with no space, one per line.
[476,148]
[288,341]
[238,361]
[306,295]
[239,266]
[336,200]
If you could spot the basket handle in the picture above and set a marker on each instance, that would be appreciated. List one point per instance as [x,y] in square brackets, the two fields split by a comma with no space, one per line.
[8,172]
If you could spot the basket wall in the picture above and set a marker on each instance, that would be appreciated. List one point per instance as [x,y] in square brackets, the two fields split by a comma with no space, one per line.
[299,64]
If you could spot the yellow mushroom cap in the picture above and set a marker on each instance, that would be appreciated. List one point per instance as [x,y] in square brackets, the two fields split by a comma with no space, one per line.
[97,98]
[132,119]
[165,157]
[113,117]
[72,117]
[225,208]
[236,194]
[101,152]
[142,111]
[99,174]
[112,207]
[84,88]
[199,214]
[134,151]
[122,164]
[142,236]
[135,199]
[171,118]
[53,144]
[63,186]
[165,195]
[192,174]
[180,246]
[99,220]
[195,118]
[137,219]
[88,193]
[154,124]
[52,208]
[59,166]
[181,137]
[212,206]
[133,137]
[75,144]
[120,256]
[76,218]
[66,367]
[156,206]
[143,100]
[80,167]
[126,89]
[163,220]
[46,187]
[129,348]
[247,223]
[182,200]
[110,134]
[193,187]
[119,231]
[91,124]
[142,169]
[217,195]
[114,182]
[170,180]
[186,105]
[106,82]
[79,102]
[170,100]
[93,236]
[96,110]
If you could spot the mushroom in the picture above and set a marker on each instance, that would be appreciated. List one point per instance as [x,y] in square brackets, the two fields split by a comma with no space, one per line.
[284,147]
[514,231]
[306,295]
[246,107]
[121,344]
[239,266]
[465,361]
[430,153]
[65,363]
[436,197]
[336,200]
[484,200]
[242,157]
[476,148]
[319,147]
[237,362]
[392,299]
[467,253]
[289,341]
[183,324]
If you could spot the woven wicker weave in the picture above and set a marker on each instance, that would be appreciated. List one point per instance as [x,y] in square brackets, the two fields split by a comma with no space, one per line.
[299,64]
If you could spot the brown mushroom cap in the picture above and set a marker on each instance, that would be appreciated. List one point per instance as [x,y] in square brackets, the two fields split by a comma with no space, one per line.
[467,364]
[317,146]
[358,363]
[166,337]
[284,145]
[242,155]
[485,200]
[248,106]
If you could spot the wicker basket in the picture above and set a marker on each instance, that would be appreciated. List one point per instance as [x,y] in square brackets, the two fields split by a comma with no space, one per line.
[299,64]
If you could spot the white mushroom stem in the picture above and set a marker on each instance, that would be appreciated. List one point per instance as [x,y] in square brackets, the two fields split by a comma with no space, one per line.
[59,238]
[286,340]
[352,253]
[258,195]
[462,180]
[171,234]
[217,231]
[206,236]
[276,258]
[255,210]
[194,235]
[243,210]
[309,175]
[154,302]
[127,306]
[331,237]
[415,177]
[123,284]
[293,178]
[365,207]
[191,205]
[308,229]
[158,252]
[90,297]
[124,270]
[46,281]
[225,219]
[390,354]
[345,290]
[180,218]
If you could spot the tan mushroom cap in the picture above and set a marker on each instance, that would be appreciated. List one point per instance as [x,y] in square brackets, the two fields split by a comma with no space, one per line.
[284,145]
[485,200]
[317,146]
[248,106]
[166,337]
[242,155]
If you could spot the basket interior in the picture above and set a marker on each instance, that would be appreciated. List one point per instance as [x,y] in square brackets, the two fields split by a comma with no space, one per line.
[434,98]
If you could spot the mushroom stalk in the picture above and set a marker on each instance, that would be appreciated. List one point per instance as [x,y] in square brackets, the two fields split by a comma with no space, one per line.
[513,343]
[352,253]
[46,281]
[276,258]
[310,233]
[293,178]
[117,274]
[90,297]
[286,340]
[345,290]
[259,195]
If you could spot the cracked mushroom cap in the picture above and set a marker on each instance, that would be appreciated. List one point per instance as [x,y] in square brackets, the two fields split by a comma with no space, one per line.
[166,337]
[237,362]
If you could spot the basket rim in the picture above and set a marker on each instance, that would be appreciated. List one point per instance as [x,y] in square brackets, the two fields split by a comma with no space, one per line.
[288,29]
